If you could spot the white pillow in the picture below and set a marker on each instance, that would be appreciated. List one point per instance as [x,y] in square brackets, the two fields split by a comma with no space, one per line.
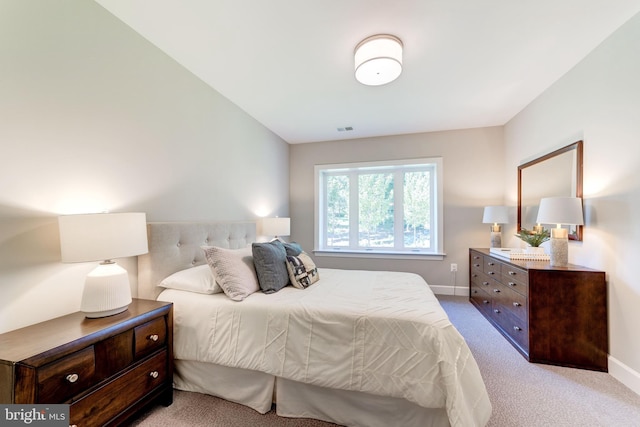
[196,279]
[233,270]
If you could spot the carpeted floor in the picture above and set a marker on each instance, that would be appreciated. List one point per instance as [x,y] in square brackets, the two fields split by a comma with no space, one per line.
[522,394]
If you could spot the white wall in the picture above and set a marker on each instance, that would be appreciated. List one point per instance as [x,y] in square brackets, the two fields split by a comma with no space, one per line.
[598,101]
[93,118]
[473,177]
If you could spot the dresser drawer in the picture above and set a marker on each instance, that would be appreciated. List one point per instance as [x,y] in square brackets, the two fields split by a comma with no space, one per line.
[149,336]
[511,301]
[121,393]
[66,377]
[516,278]
[515,328]
[481,298]
[491,267]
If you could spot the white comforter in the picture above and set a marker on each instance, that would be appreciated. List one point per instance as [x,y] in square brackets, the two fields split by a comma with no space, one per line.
[382,333]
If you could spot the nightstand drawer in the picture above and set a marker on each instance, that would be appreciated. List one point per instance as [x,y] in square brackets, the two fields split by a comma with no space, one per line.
[60,380]
[121,393]
[150,336]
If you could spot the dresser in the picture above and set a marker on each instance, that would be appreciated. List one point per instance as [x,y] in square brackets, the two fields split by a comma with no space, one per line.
[552,315]
[106,369]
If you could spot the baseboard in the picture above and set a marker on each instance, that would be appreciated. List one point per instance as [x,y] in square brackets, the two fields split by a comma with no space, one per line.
[461,291]
[624,374]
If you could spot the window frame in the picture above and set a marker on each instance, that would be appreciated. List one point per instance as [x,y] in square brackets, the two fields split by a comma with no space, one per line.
[436,252]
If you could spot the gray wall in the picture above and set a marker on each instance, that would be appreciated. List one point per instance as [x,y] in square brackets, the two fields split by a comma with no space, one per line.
[473,162]
[93,118]
[598,101]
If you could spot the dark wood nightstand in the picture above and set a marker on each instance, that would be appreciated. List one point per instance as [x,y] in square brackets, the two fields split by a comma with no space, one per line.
[107,369]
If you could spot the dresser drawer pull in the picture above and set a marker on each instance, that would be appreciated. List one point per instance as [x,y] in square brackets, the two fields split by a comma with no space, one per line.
[517,328]
[496,311]
[512,273]
[154,374]
[484,301]
[474,275]
[476,265]
[516,304]
[512,284]
[476,257]
[154,337]
[491,263]
[485,283]
[497,291]
[492,272]
[72,378]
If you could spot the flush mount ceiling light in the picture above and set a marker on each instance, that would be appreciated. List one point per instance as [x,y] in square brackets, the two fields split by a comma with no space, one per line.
[378,60]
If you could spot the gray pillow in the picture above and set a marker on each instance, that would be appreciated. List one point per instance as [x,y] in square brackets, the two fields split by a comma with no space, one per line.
[293,248]
[233,270]
[270,260]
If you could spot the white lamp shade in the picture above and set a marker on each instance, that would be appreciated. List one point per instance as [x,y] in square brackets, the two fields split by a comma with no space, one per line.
[99,237]
[560,210]
[276,226]
[495,215]
[378,60]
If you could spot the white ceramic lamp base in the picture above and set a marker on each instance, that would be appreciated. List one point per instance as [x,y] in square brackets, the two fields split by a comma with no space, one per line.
[106,291]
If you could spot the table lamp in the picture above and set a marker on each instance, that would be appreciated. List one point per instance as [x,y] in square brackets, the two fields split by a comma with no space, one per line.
[103,237]
[495,215]
[276,227]
[559,211]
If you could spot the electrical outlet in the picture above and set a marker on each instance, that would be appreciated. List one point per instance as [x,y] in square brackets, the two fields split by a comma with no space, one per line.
[454,267]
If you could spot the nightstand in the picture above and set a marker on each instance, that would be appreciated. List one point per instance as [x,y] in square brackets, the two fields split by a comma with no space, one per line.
[107,369]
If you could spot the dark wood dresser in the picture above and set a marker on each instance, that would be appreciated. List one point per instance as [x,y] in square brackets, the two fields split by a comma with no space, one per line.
[107,369]
[552,315]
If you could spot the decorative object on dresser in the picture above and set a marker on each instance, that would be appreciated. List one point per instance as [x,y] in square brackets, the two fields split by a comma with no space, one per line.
[103,237]
[552,315]
[495,215]
[106,369]
[559,211]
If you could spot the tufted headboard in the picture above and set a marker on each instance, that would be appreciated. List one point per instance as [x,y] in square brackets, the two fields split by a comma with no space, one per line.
[174,246]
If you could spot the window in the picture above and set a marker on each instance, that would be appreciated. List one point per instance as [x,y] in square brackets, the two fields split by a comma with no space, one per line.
[380,207]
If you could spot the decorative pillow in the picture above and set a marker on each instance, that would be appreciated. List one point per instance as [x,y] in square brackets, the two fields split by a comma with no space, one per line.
[196,279]
[302,271]
[270,261]
[233,270]
[293,248]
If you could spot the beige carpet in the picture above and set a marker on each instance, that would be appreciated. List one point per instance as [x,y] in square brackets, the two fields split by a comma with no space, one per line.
[522,394]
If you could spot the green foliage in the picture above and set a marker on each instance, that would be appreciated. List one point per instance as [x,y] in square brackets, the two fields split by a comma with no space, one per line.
[532,238]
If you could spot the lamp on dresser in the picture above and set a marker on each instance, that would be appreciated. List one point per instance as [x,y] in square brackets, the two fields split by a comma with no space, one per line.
[495,215]
[103,237]
[560,211]
[276,227]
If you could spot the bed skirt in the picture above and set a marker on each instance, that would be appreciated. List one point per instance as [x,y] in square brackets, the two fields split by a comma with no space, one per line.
[293,399]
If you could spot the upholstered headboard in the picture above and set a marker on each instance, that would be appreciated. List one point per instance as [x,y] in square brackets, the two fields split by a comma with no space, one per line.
[174,246]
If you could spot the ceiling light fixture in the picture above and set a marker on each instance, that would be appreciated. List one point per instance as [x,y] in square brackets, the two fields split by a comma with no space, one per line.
[378,60]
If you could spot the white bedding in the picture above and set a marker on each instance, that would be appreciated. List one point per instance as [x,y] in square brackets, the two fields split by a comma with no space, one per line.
[382,333]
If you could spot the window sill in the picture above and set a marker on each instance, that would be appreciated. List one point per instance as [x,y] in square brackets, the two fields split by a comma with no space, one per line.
[343,253]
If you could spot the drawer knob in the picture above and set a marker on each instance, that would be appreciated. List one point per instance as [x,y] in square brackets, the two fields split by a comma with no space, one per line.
[154,374]
[512,284]
[516,304]
[485,283]
[512,273]
[154,337]
[497,291]
[484,301]
[72,378]
[517,328]
[492,272]
[491,263]
[496,311]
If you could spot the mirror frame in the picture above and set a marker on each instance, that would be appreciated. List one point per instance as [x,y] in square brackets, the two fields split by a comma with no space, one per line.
[578,147]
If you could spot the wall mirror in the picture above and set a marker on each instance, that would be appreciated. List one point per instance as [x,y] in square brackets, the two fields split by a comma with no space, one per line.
[558,173]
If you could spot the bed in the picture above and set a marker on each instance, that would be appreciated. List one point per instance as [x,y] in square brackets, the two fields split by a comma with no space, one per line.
[356,348]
